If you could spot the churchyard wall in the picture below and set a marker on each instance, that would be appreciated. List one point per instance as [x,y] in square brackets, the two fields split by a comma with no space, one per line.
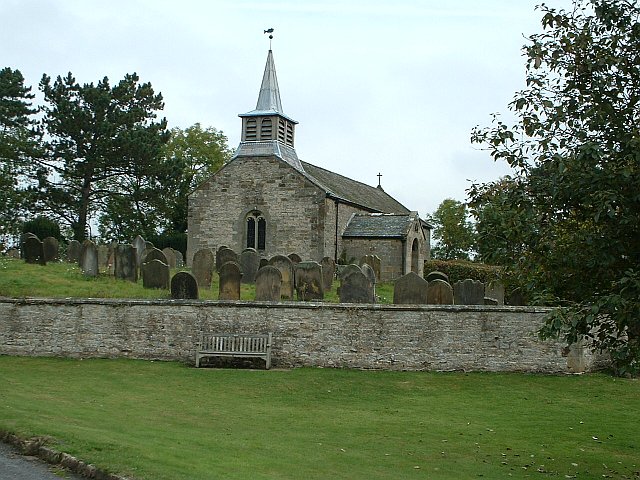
[392,337]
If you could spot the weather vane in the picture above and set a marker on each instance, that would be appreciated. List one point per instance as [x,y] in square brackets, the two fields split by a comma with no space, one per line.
[270,32]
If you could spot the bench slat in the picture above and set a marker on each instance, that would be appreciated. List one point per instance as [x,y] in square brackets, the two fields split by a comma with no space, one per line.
[234,345]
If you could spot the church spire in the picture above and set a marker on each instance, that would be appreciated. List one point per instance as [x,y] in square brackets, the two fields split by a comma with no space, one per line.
[269,97]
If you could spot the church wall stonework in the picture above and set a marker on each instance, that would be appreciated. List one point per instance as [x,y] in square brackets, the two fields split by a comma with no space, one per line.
[390,252]
[294,209]
[392,337]
[344,215]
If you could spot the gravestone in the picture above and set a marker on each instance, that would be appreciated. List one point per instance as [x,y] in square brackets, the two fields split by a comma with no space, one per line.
[468,292]
[155,274]
[73,251]
[140,245]
[170,255]
[295,258]
[515,298]
[89,259]
[50,246]
[268,284]
[230,278]
[285,265]
[13,253]
[184,286]
[263,263]
[179,258]
[249,262]
[125,262]
[154,254]
[33,250]
[328,272]
[202,267]
[439,292]
[103,255]
[495,290]
[371,276]
[435,275]
[356,288]
[410,289]
[308,281]
[374,262]
[490,301]
[224,255]
[346,270]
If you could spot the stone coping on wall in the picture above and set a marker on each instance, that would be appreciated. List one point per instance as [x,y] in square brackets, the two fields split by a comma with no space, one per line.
[285,304]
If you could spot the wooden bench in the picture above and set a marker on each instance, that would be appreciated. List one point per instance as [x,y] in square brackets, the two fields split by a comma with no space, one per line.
[234,345]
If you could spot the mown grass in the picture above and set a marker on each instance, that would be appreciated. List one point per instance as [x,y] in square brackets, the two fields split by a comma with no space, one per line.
[156,420]
[61,280]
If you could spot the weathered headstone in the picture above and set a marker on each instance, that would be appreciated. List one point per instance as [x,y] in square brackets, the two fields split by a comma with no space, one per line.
[515,297]
[155,274]
[435,275]
[356,288]
[33,250]
[263,263]
[73,251]
[179,258]
[374,262]
[295,258]
[439,292]
[308,281]
[89,259]
[103,255]
[202,267]
[154,254]
[346,270]
[495,290]
[249,262]
[140,245]
[125,263]
[468,292]
[230,278]
[170,255]
[285,265]
[490,301]
[410,289]
[371,276]
[184,286]
[268,284]
[13,253]
[50,246]
[328,272]
[224,255]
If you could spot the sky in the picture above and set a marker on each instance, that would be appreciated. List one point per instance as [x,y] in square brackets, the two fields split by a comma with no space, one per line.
[377,86]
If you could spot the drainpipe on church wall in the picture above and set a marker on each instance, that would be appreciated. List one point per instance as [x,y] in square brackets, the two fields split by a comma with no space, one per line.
[404,255]
[335,241]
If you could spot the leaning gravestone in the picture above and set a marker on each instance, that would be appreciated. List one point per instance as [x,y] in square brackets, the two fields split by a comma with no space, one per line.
[170,255]
[268,284]
[155,254]
[410,289]
[125,265]
[374,262]
[224,255]
[308,281]
[155,274]
[73,251]
[230,278]
[202,267]
[50,246]
[356,288]
[435,275]
[89,259]
[249,263]
[468,292]
[140,245]
[439,292]
[184,286]
[295,258]
[328,272]
[285,265]
[33,250]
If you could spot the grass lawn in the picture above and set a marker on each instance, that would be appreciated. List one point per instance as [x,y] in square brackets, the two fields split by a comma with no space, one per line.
[157,420]
[61,280]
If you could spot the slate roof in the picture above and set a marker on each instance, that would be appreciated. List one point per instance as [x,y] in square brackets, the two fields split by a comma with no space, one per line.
[351,191]
[379,225]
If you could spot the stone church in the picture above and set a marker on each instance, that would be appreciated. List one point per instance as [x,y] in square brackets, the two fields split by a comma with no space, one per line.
[266,198]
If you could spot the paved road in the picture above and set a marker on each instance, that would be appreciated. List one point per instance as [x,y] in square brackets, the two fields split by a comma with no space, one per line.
[14,466]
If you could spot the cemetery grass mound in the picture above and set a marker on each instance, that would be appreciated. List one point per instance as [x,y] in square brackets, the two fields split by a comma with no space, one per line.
[65,280]
[161,420]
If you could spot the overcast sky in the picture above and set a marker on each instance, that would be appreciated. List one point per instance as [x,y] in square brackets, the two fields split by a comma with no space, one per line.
[378,86]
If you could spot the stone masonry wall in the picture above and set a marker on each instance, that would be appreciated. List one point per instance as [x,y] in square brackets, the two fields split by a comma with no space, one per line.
[391,337]
[344,215]
[390,252]
[292,206]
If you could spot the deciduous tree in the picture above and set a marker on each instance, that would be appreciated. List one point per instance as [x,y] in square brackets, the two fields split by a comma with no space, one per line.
[452,230]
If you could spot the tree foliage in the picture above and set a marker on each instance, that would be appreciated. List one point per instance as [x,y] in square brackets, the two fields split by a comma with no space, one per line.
[452,230]
[19,142]
[102,152]
[570,212]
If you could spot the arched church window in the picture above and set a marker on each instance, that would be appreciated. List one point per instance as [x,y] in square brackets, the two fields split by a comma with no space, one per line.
[256,232]
[266,129]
